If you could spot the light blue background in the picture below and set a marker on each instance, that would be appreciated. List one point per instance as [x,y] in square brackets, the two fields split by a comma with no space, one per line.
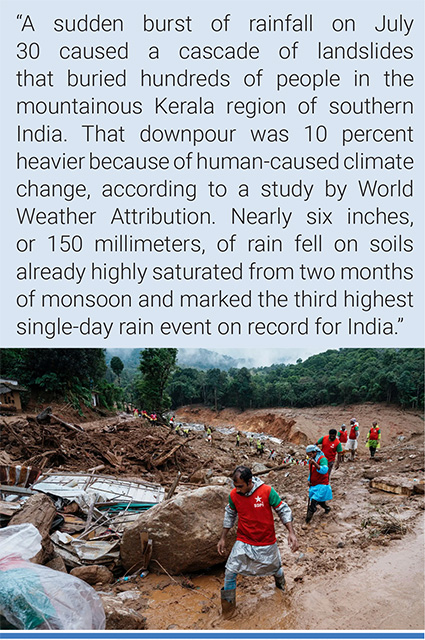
[366,14]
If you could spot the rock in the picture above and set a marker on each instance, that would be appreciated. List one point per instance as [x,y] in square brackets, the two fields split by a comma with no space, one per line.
[57,564]
[394,484]
[38,510]
[221,480]
[120,616]
[369,475]
[199,476]
[340,545]
[93,574]
[257,467]
[184,531]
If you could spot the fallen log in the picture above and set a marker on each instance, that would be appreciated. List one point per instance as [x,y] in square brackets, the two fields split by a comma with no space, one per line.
[158,461]
[75,427]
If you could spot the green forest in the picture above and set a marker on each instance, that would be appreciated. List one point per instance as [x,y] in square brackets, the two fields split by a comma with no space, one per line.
[152,379]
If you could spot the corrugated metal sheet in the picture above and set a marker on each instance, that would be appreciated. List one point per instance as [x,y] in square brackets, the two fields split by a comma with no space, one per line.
[108,489]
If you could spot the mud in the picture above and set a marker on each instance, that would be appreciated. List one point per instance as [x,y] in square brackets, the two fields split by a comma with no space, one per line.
[349,573]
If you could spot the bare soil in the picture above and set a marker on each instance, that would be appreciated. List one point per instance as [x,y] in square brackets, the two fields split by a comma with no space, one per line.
[349,572]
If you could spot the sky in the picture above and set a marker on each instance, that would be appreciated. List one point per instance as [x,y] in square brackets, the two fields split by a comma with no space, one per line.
[266,357]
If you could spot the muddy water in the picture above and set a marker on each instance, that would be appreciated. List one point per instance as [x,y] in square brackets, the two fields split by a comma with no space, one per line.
[386,593]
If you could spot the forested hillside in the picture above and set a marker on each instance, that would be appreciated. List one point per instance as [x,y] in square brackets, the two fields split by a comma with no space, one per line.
[333,377]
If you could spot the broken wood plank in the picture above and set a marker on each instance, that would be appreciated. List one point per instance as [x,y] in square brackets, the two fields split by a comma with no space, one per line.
[173,486]
[398,485]
[75,427]
[161,459]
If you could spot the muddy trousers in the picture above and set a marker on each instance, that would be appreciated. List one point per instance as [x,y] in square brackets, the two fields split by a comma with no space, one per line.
[312,508]
[230,578]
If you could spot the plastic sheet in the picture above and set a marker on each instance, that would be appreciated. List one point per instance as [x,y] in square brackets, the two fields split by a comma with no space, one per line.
[35,597]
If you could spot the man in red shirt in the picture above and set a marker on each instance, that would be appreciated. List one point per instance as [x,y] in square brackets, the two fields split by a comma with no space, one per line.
[342,436]
[331,448]
[352,438]
[255,551]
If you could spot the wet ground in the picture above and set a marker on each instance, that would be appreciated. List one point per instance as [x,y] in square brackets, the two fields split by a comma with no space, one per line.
[386,593]
[344,576]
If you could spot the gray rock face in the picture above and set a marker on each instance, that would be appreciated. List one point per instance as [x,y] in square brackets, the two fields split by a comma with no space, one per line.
[184,531]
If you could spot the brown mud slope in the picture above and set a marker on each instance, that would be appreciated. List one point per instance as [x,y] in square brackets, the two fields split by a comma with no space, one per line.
[297,425]
[366,554]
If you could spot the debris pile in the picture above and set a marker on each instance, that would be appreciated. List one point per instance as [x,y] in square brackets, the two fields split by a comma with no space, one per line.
[129,446]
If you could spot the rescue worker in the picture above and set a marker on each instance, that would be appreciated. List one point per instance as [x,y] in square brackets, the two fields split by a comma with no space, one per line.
[352,438]
[238,438]
[374,439]
[319,488]
[332,449]
[255,551]
[343,437]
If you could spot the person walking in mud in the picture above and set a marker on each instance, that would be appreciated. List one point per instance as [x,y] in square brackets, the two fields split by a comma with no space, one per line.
[373,438]
[238,439]
[343,438]
[352,438]
[319,488]
[332,449]
[255,552]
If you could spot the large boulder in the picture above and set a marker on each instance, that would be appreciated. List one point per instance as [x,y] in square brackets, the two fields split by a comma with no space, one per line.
[184,531]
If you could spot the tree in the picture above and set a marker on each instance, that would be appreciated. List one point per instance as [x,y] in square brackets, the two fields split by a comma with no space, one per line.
[216,386]
[117,366]
[242,388]
[186,386]
[156,366]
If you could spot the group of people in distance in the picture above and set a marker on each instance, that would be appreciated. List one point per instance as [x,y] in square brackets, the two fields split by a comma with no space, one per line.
[251,502]
[144,414]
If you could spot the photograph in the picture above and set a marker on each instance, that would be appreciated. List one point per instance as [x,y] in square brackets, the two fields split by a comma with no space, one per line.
[191,489]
